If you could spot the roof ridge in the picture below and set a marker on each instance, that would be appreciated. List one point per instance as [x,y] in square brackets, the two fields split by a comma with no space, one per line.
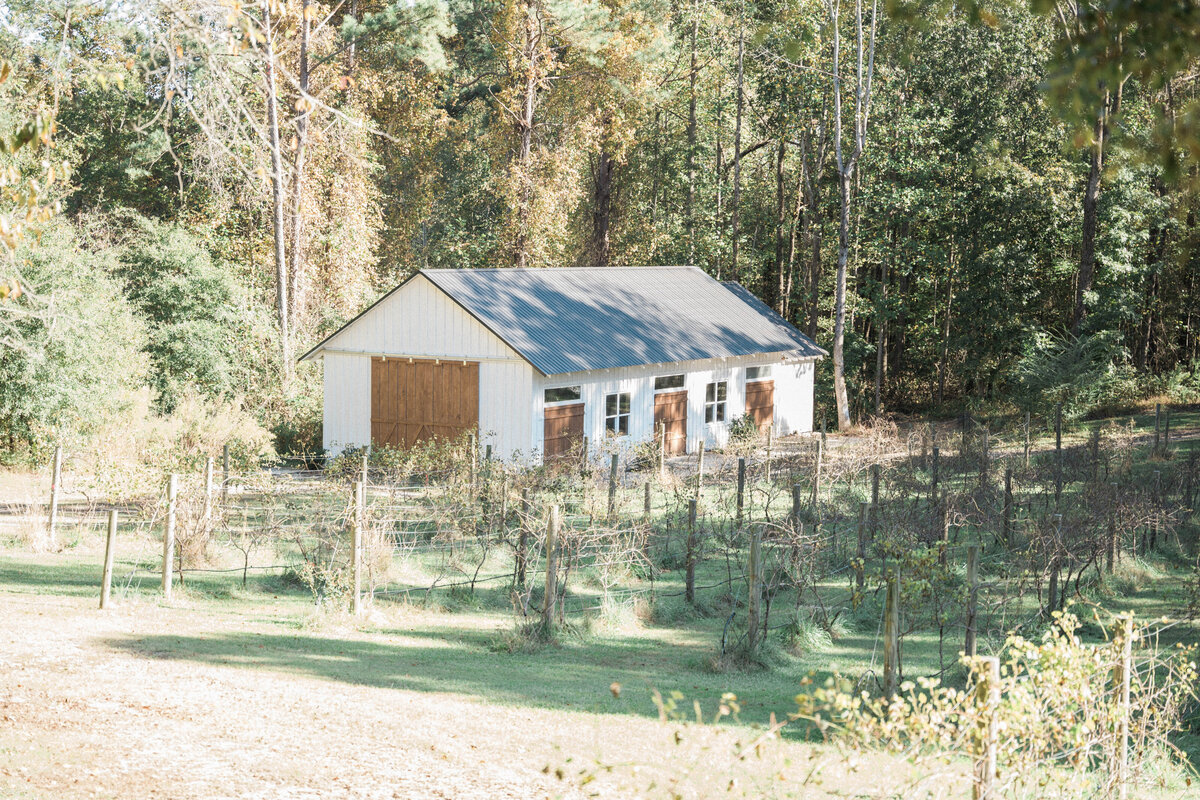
[558,269]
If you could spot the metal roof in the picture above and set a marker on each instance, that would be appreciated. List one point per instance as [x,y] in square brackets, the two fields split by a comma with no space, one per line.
[576,319]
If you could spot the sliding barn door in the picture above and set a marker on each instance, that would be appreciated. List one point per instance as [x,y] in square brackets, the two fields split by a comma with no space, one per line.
[562,430]
[417,401]
[760,403]
[670,411]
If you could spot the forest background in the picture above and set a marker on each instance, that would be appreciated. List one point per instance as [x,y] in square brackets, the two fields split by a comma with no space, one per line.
[984,207]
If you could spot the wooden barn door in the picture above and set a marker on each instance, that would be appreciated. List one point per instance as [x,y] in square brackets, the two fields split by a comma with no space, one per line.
[760,403]
[562,429]
[670,409]
[417,401]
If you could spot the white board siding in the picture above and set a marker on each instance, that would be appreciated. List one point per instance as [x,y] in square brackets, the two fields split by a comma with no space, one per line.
[420,320]
[793,397]
[347,421]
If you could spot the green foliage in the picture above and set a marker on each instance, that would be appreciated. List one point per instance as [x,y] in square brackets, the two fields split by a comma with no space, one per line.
[1085,374]
[743,428]
[188,302]
[77,347]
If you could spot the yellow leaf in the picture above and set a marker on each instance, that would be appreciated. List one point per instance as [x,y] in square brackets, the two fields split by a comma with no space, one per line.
[5,69]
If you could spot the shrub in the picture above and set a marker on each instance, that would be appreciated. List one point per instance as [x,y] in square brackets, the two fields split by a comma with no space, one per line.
[743,429]
[1086,374]
[188,304]
[70,350]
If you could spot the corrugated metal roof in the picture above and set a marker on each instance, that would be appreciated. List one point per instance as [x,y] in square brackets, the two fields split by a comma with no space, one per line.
[576,319]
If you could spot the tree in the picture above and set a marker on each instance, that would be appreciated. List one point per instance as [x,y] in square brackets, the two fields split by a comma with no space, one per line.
[846,163]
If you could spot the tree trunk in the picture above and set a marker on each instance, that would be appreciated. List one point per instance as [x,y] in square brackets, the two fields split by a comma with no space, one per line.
[1087,253]
[525,136]
[880,333]
[602,208]
[277,201]
[943,361]
[813,224]
[839,305]
[773,287]
[690,201]
[737,139]
[296,276]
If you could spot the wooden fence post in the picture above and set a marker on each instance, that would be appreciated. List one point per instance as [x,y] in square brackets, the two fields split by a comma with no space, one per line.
[933,492]
[1167,429]
[168,558]
[875,472]
[551,570]
[1008,506]
[523,540]
[1157,508]
[1026,440]
[984,787]
[985,461]
[699,468]
[1124,670]
[646,504]
[754,578]
[1157,419]
[1112,532]
[891,639]
[612,488]
[55,487]
[110,546]
[741,491]
[662,450]
[689,587]
[356,525]
[1189,494]
[860,570]
[224,473]
[1058,455]
[972,597]
[474,454]
[816,487]
[208,488]
[767,465]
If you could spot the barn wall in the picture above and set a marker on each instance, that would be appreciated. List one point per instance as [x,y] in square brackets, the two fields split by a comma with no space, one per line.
[419,320]
[793,397]
[347,421]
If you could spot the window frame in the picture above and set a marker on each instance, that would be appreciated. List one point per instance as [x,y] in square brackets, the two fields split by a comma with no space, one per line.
[681,387]
[716,410]
[578,389]
[620,416]
[759,375]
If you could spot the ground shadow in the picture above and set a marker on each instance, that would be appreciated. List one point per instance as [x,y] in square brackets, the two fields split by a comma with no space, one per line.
[575,676]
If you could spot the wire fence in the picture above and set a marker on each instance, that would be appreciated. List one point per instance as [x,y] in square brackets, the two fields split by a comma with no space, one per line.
[835,522]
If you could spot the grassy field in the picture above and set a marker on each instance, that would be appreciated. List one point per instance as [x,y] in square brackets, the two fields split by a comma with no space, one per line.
[255,692]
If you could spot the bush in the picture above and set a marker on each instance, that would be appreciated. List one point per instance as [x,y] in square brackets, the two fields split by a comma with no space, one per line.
[1086,374]
[188,304]
[129,457]
[70,348]
[743,430]
[1183,384]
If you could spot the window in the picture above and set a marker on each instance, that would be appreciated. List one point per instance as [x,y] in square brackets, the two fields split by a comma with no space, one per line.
[563,394]
[667,382]
[758,373]
[714,402]
[616,413]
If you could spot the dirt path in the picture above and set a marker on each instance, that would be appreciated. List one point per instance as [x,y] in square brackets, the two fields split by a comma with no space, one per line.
[83,717]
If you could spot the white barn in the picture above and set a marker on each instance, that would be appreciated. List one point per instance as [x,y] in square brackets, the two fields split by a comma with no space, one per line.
[535,359]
